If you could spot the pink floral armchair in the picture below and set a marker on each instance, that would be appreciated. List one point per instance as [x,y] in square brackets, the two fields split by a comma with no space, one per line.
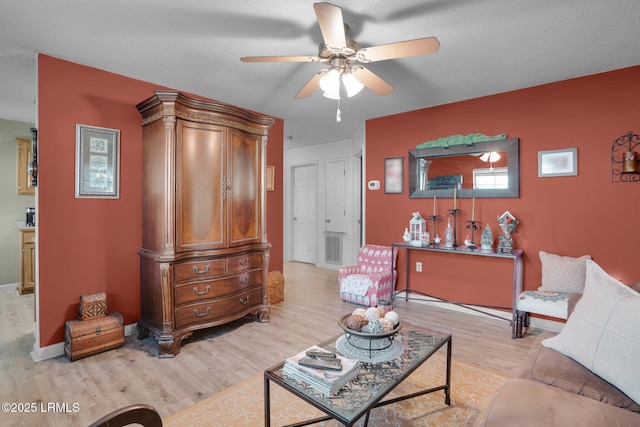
[372,279]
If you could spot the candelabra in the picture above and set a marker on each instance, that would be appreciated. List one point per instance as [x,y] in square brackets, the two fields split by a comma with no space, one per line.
[473,226]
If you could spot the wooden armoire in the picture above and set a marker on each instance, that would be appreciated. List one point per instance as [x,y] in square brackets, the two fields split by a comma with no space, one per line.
[205,255]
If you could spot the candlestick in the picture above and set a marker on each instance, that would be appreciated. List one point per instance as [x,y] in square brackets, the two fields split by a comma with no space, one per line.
[434,205]
[473,209]
[455,191]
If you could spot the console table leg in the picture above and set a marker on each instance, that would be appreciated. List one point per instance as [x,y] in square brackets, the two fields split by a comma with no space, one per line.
[447,392]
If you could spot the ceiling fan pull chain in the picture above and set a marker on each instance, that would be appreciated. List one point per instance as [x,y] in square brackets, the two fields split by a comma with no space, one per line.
[338,113]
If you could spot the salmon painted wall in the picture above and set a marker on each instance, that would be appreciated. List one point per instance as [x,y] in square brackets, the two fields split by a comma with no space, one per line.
[572,216]
[275,198]
[90,245]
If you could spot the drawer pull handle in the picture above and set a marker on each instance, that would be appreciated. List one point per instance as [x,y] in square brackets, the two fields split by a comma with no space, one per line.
[197,292]
[244,301]
[195,311]
[98,330]
[244,261]
[244,280]
[206,269]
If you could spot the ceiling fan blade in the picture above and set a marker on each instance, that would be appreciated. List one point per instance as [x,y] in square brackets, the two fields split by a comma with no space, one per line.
[398,50]
[372,81]
[280,59]
[312,85]
[331,25]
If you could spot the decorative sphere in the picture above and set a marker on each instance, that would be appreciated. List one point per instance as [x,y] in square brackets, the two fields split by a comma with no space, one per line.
[387,325]
[354,322]
[371,313]
[375,326]
[359,312]
[393,316]
[381,312]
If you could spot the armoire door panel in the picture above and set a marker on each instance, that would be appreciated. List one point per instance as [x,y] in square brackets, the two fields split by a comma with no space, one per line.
[244,173]
[199,186]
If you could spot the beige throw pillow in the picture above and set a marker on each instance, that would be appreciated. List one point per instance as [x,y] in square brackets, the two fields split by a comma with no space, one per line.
[603,333]
[562,273]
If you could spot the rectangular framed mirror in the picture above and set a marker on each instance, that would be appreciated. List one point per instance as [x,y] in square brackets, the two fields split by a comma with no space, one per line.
[483,169]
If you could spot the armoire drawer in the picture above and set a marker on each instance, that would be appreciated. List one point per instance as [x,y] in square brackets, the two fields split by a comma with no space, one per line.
[244,262]
[198,269]
[218,308]
[197,291]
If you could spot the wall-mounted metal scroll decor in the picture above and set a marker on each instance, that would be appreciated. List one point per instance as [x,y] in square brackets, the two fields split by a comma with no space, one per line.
[624,158]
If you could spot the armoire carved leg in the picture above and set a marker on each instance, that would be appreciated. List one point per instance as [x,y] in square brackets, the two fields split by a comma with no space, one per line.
[167,347]
[263,315]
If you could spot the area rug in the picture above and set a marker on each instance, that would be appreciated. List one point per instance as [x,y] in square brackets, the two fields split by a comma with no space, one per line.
[472,390]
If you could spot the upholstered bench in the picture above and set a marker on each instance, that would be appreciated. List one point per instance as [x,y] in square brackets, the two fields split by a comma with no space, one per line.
[553,304]
[561,276]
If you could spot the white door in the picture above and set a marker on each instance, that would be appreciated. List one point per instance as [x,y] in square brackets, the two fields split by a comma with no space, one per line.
[304,213]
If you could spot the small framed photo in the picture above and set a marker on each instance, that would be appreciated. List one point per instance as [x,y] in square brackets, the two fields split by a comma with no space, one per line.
[97,162]
[558,162]
[271,171]
[394,175]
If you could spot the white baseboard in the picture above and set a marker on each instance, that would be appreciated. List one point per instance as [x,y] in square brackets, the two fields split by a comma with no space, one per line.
[534,322]
[49,352]
[9,287]
[56,350]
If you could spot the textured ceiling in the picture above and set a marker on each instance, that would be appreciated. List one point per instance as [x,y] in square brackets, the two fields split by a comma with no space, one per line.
[487,47]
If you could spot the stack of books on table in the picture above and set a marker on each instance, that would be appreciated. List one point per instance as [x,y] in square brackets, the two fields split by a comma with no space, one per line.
[325,380]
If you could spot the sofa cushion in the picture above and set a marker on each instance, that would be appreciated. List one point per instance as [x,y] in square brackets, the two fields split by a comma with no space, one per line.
[562,273]
[526,403]
[603,333]
[549,367]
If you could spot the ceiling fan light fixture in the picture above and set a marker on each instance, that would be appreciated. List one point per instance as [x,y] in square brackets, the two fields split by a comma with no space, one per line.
[330,82]
[351,84]
[331,95]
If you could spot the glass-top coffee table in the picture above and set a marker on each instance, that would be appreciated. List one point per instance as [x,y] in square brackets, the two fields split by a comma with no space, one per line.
[372,384]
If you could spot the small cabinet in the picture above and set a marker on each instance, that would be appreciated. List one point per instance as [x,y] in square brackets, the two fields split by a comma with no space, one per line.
[24,159]
[27,276]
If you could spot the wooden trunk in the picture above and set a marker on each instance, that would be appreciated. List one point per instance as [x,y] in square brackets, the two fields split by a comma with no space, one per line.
[83,338]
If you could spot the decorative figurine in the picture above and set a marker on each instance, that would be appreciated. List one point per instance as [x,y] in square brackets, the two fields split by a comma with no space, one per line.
[486,240]
[406,236]
[508,224]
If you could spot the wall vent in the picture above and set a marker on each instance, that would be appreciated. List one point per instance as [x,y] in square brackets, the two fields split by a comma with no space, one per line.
[333,248]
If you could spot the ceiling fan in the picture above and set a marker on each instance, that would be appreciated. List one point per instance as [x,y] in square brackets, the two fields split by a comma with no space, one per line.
[343,55]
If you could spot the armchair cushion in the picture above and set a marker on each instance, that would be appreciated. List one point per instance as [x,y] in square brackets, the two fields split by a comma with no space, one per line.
[357,284]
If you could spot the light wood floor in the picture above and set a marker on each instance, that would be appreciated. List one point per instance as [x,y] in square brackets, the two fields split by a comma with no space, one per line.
[214,359]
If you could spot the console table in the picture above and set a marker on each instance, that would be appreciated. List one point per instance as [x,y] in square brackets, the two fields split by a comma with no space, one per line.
[515,254]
